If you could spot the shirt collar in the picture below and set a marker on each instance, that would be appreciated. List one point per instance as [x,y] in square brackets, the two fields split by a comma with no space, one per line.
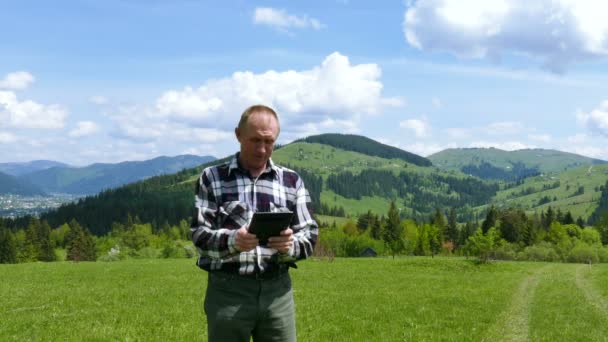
[235,165]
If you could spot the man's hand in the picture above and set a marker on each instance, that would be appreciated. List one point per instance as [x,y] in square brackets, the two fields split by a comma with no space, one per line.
[283,242]
[244,241]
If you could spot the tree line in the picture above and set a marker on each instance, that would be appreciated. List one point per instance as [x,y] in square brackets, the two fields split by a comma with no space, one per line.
[421,193]
[508,234]
[70,241]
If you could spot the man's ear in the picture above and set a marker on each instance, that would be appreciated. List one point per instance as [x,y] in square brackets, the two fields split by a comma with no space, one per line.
[237,132]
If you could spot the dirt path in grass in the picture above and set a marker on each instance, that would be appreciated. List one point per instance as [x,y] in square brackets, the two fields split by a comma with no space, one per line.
[513,323]
[590,292]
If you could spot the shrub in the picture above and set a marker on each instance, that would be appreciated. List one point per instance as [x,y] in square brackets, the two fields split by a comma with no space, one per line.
[542,252]
[602,254]
[507,251]
[583,253]
[190,251]
[147,253]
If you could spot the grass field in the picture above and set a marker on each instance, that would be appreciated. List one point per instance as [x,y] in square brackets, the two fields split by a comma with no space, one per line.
[406,299]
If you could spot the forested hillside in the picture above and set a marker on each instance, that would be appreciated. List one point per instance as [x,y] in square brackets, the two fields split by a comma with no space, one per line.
[11,185]
[361,144]
[493,163]
[348,183]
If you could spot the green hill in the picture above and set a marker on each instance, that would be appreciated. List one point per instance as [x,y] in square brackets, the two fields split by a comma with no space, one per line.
[576,190]
[97,177]
[492,163]
[348,183]
[11,185]
[351,181]
[361,144]
[21,168]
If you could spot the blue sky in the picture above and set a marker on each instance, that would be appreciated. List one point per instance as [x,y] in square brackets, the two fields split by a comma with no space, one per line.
[109,81]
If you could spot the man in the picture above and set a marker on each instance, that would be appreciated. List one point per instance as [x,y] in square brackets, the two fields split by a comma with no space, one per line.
[249,289]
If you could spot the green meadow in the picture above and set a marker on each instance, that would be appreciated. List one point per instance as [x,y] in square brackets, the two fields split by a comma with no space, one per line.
[374,299]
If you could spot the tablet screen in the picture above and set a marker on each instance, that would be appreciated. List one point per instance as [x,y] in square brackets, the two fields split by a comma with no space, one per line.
[265,225]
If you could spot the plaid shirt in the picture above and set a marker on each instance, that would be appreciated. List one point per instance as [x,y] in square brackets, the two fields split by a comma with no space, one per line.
[226,198]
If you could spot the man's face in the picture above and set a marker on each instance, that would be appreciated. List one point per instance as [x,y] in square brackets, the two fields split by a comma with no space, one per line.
[257,140]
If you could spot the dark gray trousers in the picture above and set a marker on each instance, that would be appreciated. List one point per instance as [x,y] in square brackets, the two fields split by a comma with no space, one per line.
[239,308]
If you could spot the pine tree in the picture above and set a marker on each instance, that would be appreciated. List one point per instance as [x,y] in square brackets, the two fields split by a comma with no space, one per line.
[423,246]
[393,231]
[549,218]
[8,247]
[375,228]
[31,247]
[568,219]
[363,222]
[80,244]
[451,232]
[46,251]
[490,221]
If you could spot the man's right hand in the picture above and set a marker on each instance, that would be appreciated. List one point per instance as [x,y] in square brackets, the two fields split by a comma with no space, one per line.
[245,241]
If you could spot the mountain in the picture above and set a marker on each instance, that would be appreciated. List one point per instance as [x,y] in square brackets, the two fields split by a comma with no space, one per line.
[493,163]
[578,190]
[344,182]
[11,185]
[97,177]
[340,182]
[365,145]
[18,169]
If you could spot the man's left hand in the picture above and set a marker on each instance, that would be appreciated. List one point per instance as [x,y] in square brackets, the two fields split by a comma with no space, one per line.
[283,242]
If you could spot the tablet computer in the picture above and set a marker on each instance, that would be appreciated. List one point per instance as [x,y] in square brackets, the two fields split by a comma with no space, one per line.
[265,225]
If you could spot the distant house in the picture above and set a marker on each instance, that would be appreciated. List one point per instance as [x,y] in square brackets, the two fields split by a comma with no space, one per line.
[368,252]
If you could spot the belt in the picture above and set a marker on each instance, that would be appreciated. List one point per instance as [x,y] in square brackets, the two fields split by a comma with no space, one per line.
[274,273]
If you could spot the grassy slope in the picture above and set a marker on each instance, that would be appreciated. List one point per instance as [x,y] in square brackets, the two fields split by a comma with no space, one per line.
[325,160]
[580,205]
[382,299]
[545,160]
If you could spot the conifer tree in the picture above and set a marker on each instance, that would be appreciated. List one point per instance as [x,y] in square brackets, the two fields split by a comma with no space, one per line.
[46,251]
[451,232]
[490,220]
[375,228]
[80,243]
[392,234]
[8,247]
[31,247]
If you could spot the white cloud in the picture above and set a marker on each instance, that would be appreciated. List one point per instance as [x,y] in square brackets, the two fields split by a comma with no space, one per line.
[328,125]
[98,99]
[504,128]
[335,89]
[201,150]
[29,114]
[589,151]
[334,96]
[556,32]
[281,20]
[143,125]
[84,128]
[540,137]
[577,138]
[507,145]
[424,149]
[7,138]
[421,128]
[596,120]
[17,80]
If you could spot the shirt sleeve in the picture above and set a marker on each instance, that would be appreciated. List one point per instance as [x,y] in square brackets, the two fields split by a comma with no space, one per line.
[305,228]
[210,240]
